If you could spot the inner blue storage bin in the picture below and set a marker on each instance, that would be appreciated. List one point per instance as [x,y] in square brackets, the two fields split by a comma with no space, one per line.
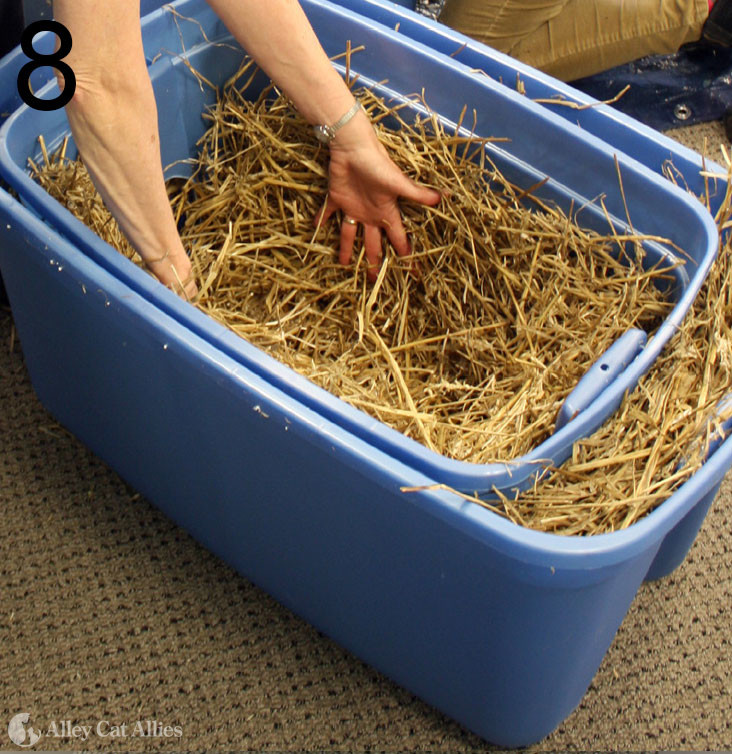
[500,627]
[578,167]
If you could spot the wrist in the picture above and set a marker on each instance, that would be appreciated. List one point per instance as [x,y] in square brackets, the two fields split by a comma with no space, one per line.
[326,133]
[358,132]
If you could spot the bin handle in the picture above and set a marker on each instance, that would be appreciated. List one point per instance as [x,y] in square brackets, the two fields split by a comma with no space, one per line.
[603,371]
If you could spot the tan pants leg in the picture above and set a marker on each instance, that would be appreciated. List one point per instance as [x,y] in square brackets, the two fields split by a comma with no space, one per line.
[573,38]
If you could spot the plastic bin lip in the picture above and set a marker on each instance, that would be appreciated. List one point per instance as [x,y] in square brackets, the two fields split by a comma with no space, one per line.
[543,550]
[458,474]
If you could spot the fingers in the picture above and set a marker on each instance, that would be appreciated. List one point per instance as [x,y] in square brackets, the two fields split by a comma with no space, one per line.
[400,241]
[348,236]
[372,242]
[416,192]
[389,220]
[397,235]
[326,211]
[190,290]
[372,245]
[173,269]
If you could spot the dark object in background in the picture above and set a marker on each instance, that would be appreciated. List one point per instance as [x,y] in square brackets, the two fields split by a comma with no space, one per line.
[693,85]
[11,27]
[11,24]
[718,28]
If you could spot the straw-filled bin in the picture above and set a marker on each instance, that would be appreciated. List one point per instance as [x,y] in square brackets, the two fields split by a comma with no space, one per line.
[499,626]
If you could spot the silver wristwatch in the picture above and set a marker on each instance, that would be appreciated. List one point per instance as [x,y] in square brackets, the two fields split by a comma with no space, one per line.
[326,134]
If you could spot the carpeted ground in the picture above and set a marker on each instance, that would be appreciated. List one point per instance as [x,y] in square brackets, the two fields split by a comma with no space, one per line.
[111,615]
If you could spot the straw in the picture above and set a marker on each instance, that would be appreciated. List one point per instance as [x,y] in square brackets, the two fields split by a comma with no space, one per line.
[472,344]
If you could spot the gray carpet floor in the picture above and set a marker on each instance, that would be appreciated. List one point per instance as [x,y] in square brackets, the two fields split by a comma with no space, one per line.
[109,612]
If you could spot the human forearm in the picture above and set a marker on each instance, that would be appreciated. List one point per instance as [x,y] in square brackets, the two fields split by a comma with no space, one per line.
[364,182]
[113,118]
[117,136]
[277,34]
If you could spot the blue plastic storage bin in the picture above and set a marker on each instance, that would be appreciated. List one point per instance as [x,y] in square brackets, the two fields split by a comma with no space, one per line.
[579,168]
[500,627]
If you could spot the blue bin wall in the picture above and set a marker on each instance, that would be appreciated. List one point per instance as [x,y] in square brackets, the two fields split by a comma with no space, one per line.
[677,542]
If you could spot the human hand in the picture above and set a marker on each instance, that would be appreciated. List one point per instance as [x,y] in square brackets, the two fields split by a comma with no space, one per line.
[365,184]
[174,271]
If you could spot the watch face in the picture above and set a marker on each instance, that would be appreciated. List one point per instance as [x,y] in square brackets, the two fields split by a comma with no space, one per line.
[323,134]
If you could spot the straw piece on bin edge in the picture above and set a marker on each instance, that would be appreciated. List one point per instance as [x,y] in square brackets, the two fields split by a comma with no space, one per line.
[471,351]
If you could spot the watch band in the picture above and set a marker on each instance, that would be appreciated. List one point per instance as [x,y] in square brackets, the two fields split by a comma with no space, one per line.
[326,134]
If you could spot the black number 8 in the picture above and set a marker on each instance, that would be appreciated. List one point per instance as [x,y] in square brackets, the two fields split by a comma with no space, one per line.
[55,60]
